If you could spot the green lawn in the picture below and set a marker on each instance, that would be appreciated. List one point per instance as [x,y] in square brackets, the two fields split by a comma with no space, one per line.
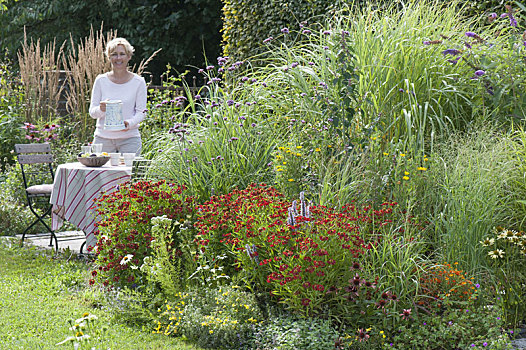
[38,294]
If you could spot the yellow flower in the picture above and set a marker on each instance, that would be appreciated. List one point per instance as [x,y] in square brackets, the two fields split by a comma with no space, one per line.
[298,154]
[210,331]
[329,146]
[318,149]
[402,154]
[291,180]
[284,163]
[406,178]
[386,154]
[406,173]
[425,159]
[299,147]
[421,168]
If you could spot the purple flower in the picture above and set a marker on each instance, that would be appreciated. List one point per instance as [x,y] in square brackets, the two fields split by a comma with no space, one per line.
[197,97]
[209,67]
[306,31]
[253,124]
[492,15]
[426,42]
[345,32]
[269,39]
[244,78]
[471,35]
[472,345]
[230,102]
[455,61]
[513,21]
[484,344]
[294,64]
[285,30]
[451,52]
[220,70]
[477,285]
[467,45]
[400,90]
[327,32]
[311,63]
[234,139]
[480,73]
[504,15]
[201,70]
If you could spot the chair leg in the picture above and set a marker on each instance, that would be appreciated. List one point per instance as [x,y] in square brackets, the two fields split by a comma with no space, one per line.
[82,247]
[39,218]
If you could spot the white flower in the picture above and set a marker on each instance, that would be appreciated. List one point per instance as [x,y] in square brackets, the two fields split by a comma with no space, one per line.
[126,259]
[487,242]
[134,267]
[497,253]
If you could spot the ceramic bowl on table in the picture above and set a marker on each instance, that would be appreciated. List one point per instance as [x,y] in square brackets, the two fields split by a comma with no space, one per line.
[93,161]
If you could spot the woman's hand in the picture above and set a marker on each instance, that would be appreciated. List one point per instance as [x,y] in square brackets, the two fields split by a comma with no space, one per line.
[126,125]
[102,106]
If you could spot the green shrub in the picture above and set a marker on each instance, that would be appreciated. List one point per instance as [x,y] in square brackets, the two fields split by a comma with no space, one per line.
[505,251]
[318,261]
[11,115]
[219,318]
[292,333]
[125,229]
[478,327]
[15,216]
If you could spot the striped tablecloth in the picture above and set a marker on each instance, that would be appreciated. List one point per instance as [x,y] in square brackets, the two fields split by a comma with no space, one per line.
[74,189]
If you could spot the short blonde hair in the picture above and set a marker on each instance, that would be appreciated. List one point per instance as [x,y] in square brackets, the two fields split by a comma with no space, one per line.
[112,45]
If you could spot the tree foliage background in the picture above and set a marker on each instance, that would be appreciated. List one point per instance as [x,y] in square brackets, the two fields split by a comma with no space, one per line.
[186,30]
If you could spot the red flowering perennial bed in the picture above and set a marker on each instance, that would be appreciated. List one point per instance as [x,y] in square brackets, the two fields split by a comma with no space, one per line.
[124,234]
[310,263]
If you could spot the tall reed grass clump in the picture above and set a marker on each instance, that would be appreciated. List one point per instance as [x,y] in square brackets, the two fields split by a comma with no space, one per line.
[332,89]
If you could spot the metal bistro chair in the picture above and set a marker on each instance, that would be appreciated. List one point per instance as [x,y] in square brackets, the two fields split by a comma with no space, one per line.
[143,169]
[37,171]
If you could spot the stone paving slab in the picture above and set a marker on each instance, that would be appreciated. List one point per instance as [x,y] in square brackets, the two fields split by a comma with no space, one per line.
[519,344]
[67,239]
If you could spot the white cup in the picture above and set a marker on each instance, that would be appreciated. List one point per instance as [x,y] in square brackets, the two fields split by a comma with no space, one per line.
[96,148]
[114,159]
[128,158]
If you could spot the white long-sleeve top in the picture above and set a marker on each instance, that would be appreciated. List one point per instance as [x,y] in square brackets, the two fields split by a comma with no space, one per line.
[133,97]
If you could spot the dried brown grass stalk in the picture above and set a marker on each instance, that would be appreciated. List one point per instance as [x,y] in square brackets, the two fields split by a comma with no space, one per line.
[40,71]
[84,64]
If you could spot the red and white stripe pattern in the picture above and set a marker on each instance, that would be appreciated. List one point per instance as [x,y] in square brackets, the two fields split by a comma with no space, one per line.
[74,190]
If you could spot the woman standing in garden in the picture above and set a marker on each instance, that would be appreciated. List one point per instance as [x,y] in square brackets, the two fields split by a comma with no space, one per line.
[130,89]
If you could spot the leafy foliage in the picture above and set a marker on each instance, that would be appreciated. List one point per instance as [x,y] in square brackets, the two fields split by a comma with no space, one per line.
[125,236]
[147,24]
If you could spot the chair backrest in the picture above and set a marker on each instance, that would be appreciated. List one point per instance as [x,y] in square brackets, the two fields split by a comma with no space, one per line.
[141,170]
[36,163]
